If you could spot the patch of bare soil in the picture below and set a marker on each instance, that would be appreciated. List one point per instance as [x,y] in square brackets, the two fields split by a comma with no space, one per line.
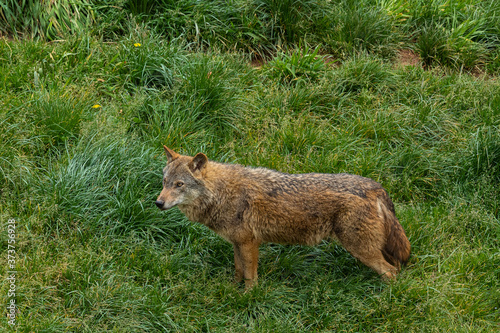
[257,62]
[408,58]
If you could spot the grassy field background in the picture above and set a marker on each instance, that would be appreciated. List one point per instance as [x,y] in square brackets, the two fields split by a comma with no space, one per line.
[404,92]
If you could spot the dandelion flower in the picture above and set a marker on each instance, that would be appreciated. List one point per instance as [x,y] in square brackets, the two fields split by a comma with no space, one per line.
[137,44]
[96,106]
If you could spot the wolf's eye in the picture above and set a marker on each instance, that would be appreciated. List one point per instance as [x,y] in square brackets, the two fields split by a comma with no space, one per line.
[179,184]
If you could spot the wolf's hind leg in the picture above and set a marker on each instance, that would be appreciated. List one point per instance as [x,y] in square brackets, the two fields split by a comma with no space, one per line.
[364,239]
[377,262]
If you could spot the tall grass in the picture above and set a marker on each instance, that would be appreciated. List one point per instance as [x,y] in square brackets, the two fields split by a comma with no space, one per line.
[456,34]
[462,34]
[46,19]
[173,123]
[100,185]
[15,167]
[205,104]
[287,21]
[301,65]
[57,118]
[149,62]
[360,26]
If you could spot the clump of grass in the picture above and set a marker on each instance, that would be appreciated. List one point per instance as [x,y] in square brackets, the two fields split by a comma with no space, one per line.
[174,122]
[19,62]
[17,146]
[206,82]
[287,21]
[452,34]
[361,26]
[432,46]
[302,64]
[299,137]
[149,62]
[456,49]
[259,26]
[205,25]
[44,19]
[104,185]
[215,84]
[363,72]
[493,65]
[75,54]
[142,7]
[468,41]
[58,119]
[484,154]
[205,105]
[417,170]
[112,20]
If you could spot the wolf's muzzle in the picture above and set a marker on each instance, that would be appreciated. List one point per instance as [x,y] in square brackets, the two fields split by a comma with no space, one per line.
[159,203]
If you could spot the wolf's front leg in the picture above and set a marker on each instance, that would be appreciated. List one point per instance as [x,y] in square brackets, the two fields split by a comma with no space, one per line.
[238,275]
[247,262]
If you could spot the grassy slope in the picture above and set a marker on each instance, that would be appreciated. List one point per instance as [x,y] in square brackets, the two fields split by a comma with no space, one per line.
[94,254]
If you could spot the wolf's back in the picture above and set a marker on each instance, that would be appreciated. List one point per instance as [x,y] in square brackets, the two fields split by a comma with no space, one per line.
[284,183]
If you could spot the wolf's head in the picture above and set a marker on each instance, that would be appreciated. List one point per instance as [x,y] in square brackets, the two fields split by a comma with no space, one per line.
[182,179]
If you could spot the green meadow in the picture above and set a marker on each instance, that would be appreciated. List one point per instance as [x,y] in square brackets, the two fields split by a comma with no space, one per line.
[404,92]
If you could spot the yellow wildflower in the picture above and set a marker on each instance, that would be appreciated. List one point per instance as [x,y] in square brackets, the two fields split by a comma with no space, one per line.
[96,106]
[137,44]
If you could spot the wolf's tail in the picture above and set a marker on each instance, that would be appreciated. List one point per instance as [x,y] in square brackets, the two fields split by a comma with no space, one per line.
[397,247]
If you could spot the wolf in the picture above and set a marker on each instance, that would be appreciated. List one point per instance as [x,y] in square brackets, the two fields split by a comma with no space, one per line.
[248,206]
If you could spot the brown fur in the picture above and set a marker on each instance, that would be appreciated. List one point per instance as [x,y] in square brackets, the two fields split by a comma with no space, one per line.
[249,206]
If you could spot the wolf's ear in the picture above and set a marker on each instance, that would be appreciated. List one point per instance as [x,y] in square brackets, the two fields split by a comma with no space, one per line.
[171,155]
[198,162]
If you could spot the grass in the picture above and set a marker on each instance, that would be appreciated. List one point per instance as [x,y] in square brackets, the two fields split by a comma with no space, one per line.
[300,65]
[48,19]
[315,87]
